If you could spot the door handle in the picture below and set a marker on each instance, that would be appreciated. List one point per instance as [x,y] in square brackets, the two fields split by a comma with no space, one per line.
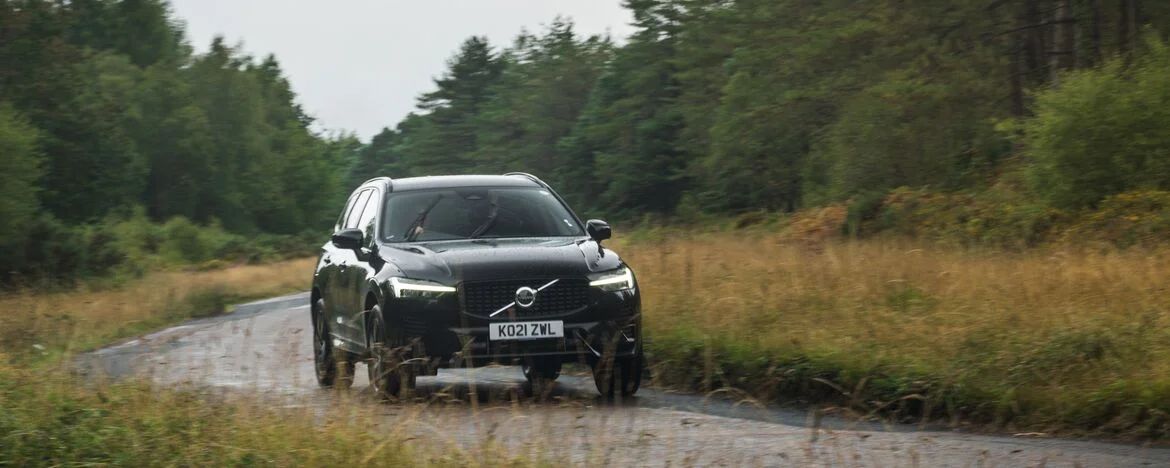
[343,265]
[327,260]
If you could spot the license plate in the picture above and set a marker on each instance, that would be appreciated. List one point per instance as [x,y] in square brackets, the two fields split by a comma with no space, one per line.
[526,330]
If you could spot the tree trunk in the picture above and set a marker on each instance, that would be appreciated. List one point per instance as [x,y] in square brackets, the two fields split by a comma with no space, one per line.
[1124,28]
[1063,55]
[1017,73]
[1034,44]
[1094,45]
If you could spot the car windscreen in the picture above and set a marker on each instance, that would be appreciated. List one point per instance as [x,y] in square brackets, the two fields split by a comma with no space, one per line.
[428,215]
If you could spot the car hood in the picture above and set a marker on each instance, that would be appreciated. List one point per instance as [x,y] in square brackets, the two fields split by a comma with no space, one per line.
[482,259]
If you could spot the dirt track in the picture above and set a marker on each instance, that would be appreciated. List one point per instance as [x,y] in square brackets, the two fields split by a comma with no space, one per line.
[265,347]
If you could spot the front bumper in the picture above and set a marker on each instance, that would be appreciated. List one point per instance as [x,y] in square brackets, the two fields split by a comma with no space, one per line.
[610,325]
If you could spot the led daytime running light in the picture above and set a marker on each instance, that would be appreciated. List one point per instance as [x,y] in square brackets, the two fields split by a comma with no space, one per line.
[400,285]
[623,280]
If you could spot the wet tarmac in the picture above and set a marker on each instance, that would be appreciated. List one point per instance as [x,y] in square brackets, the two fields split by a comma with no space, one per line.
[263,348]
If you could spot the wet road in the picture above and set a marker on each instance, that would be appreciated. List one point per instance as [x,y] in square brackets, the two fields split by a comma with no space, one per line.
[264,347]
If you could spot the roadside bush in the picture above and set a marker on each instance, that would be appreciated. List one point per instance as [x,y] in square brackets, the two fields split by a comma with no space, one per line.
[183,241]
[127,245]
[989,219]
[1124,220]
[1103,131]
[20,169]
[816,226]
[54,252]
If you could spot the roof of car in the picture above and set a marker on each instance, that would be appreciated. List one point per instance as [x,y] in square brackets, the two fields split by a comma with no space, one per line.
[455,181]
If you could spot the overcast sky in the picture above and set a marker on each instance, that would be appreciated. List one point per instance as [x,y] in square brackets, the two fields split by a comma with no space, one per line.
[359,64]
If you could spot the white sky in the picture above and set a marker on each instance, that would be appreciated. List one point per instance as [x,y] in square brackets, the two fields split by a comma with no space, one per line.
[358,65]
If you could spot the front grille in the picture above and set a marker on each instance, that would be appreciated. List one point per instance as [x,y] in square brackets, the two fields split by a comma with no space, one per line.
[481,298]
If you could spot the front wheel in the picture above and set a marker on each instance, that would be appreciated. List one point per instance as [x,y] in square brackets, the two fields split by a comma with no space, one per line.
[390,375]
[624,375]
[541,376]
[334,367]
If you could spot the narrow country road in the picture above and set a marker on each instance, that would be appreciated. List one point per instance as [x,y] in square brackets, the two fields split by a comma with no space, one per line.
[265,347]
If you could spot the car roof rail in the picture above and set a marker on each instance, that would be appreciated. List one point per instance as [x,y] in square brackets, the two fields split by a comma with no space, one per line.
[389,181]
[530,177]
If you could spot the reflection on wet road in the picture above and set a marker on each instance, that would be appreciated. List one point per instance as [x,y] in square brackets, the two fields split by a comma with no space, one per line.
[264,347]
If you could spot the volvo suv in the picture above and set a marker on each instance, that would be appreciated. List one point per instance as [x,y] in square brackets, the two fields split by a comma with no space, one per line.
[434,272]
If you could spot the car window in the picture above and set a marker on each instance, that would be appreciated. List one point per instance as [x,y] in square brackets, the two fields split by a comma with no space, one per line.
[345,211]
[351,220]
[464,213]
[368,213]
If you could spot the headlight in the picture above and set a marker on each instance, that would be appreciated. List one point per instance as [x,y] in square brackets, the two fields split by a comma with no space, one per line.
[405,287]
[620,279]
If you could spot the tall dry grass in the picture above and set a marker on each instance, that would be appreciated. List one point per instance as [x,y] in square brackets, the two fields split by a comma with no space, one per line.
[48,419]
[1052,340]
[51,417]
[51,324]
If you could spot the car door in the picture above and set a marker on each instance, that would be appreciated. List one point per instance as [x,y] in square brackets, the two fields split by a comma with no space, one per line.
[360,270]
[349,310]
[337,293]
[328,272]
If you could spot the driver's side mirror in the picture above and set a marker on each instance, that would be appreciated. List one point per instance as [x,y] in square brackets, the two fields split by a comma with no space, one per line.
[348,239]
[597,229]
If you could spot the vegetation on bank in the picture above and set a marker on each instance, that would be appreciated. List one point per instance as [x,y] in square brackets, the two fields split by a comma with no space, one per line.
[41,327]
[1053,339]
[50,416]
[128,246]
[1067,341]
[997,221]
[47,420]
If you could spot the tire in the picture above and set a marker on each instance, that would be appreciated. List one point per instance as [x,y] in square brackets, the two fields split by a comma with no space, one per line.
[389,377]
[334,367]
[613,376]
[542,369]
[541,376]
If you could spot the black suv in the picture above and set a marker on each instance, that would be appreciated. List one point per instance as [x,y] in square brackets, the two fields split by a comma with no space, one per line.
[424,273]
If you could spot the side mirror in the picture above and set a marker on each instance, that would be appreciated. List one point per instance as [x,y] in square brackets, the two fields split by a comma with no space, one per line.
[348,239]
[597,229]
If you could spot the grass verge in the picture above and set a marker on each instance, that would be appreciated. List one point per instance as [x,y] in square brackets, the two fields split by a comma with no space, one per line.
[39,326]
[1064,342]
[51,417]
[47,419]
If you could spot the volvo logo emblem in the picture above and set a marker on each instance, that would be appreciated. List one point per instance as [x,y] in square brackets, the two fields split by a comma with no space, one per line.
[525,297]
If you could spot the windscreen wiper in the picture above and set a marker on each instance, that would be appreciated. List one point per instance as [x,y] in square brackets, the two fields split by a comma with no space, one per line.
[413,231]
[487,223]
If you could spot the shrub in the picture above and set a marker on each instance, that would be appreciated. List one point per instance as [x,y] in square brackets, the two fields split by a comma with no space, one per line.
[1103,131]
[993,219]
[1124,220]
[182,241]
[20,169]
[816,226]
[127,244]
[54,252]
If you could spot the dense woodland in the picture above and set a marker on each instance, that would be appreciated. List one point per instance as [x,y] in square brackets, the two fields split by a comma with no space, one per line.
[726,107]
[117,139]
[107,118]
